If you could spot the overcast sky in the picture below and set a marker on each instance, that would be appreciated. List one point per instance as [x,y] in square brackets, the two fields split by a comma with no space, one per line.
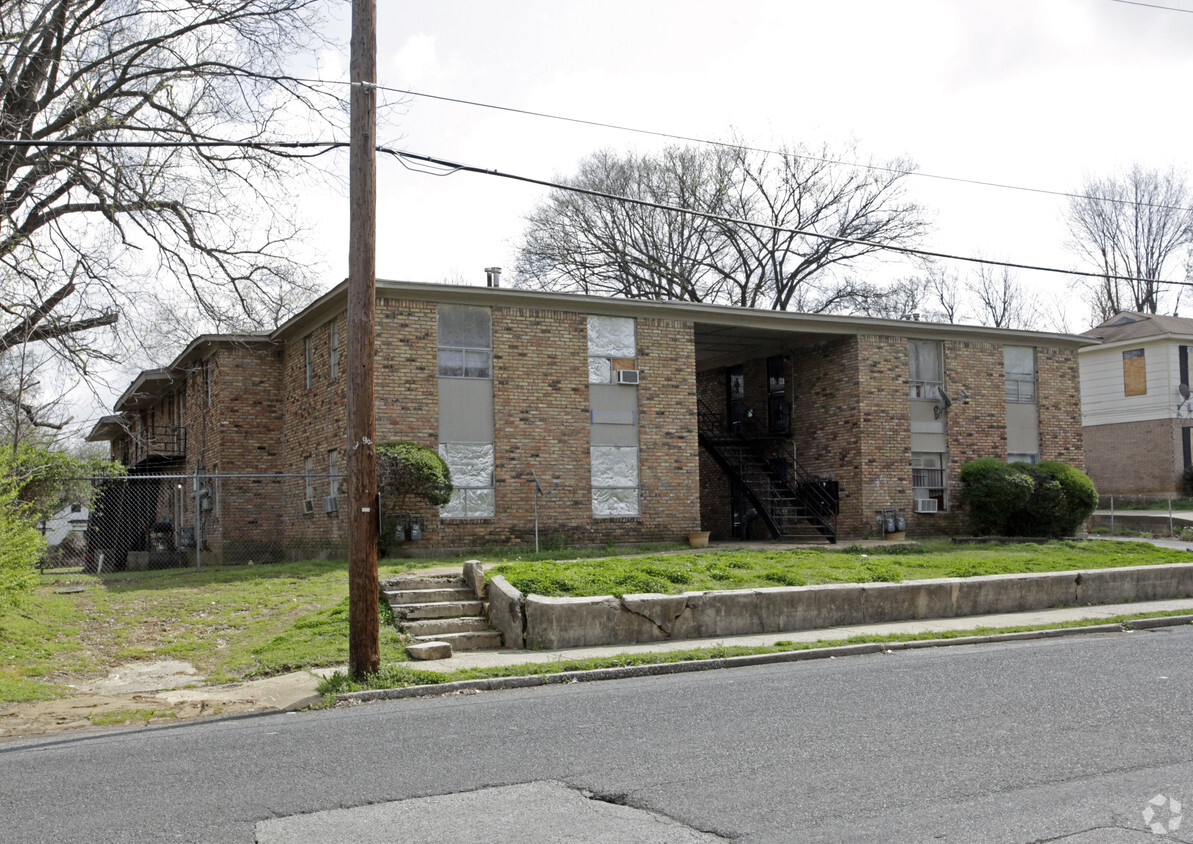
[1033,93]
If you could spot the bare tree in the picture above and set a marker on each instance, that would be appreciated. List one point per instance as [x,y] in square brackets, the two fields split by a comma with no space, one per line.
[85,223]
[1001,300]
[1133,228]
[778,228]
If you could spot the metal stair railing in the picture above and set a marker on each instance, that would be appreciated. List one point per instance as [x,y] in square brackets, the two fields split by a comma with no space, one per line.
[773,496]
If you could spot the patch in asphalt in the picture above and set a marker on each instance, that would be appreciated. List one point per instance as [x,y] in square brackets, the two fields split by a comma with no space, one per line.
[529,813]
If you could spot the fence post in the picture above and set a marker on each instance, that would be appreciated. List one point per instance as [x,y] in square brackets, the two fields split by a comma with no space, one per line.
[198,523]
[1170,531]
[1112,515]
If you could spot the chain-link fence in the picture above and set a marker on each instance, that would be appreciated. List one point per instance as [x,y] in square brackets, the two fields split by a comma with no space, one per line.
[148,522]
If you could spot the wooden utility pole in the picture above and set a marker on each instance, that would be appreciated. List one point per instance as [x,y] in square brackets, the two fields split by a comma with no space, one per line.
[364,648]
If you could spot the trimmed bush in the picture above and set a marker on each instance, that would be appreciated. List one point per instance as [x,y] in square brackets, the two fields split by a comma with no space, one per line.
[1080,496]
[1021,499]
[406,468]
[991,490]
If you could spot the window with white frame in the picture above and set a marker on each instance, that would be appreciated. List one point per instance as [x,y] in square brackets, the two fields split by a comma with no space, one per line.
[612,347]
[308,352]
[333,349]
[473,495]
[1019,368]
[465,342]
[928,481]
[614,480]
[925,368]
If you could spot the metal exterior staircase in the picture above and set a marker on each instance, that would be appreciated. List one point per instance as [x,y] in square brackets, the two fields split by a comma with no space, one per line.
[792,503]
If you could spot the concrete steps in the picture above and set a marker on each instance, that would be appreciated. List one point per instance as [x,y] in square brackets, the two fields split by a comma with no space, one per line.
[440,609]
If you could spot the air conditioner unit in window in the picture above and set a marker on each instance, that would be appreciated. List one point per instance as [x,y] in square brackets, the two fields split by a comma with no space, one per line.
[926,505]
[330,504]
[308,506]
[627,376]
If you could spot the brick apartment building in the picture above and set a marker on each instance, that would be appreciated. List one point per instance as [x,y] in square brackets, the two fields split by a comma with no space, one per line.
[643,421]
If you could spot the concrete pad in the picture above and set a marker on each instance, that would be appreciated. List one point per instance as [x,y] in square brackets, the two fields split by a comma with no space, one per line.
[429,650]
[147,677]
[530,813]
[284,692]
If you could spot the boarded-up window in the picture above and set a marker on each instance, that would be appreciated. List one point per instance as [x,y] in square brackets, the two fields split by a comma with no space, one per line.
[1134,373]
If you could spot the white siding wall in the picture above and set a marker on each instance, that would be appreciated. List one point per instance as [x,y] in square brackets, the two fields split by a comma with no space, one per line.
[1102,398]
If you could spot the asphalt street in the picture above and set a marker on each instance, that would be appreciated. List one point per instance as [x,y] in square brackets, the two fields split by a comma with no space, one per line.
[1072,739]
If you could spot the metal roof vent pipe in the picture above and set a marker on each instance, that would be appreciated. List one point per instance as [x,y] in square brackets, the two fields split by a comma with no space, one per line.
[493,276]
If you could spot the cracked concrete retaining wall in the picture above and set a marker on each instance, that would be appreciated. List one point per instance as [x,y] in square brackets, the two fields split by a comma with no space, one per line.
[537,622]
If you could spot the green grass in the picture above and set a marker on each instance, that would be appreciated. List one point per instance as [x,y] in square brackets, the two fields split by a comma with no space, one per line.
[231,622]
[745,569]
[401,676]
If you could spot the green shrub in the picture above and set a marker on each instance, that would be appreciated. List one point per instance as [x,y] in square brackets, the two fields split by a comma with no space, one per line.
[1021,499]
[1080,496]
[991,492]
[406,468]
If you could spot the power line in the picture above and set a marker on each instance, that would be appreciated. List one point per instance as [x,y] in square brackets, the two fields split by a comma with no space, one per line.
[748,148]
[264,146]
[455,167]
[1153,6]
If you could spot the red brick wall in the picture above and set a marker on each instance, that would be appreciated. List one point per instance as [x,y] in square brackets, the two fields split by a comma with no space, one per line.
[1136,458]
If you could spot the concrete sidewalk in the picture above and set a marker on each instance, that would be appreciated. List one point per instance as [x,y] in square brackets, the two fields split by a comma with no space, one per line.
[487,659]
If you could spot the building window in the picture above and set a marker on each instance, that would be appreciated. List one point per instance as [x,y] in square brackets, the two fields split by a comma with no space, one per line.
[1019,367]
[473,495]
[1023,458]
[308,351]
[465,342]
[928,481]
[614,480]
[925,369]
[776,395]
[1134,373]
[333,346]
[308,471]
[333,472]
[612,347]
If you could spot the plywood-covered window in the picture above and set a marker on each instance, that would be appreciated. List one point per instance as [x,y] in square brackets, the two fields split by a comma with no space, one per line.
[1134,373]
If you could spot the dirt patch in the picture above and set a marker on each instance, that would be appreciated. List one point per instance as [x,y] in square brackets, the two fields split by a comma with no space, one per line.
[153,692]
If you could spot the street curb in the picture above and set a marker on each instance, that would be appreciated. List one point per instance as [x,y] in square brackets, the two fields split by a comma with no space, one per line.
[490,684]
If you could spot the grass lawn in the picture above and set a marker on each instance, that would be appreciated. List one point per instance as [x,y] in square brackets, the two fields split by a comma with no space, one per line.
[778,566]
[239,622]
[230,622]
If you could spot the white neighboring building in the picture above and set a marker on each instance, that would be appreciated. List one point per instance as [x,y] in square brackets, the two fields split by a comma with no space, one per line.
[1136,412]
[71,519]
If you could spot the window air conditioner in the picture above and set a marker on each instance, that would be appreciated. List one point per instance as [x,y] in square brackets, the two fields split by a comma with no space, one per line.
[308,506]
[925,505]
[330,504]
[627,376]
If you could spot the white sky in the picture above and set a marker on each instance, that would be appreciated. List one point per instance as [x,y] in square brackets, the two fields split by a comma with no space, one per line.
[1037,93]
